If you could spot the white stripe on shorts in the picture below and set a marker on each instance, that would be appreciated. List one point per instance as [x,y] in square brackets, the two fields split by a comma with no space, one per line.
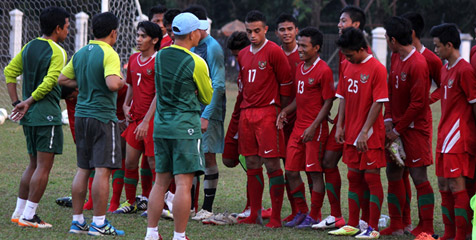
[52,136]
[113,143]
[199,155]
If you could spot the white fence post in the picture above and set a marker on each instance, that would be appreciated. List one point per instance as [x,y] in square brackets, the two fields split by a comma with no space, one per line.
[81,37]
[104,5]
[379,45]
[465,47]
[16,18]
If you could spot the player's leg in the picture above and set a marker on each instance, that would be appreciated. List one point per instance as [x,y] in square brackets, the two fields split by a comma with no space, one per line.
[182,200]
[131,177]
[255,187]
[210,182]
[426,200]
[118,180]
[276,190]
[88,205]
[395,198]
[407,217]
[156,202]
[146,177]
[447,208]
[79,189]
[317,198]
[24,189]
[461,206]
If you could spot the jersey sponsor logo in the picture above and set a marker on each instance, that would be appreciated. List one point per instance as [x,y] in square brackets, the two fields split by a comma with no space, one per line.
[310,165]
[262,65]
[450,83]
[190,131]
[416,160]
[311,81]
[267,151]
[403,76]
[149,71]
[368,164]
[49,118]
[454,169]
[90,47]
[364,78]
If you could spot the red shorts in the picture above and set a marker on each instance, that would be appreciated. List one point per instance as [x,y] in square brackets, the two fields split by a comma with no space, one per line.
[145,145]
[452,165]
[258,134]
[231,141]
[304,156]
[417,147]
[288,128]
[331,144]
[371,159]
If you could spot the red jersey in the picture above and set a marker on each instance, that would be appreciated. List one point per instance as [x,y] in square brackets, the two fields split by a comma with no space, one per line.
[314,85]
[265,75]
[343,61]
[166,41]
[408,92]
[472,57]
[434,66]
[140,76]
[293,60]
[457,128]
[361,85]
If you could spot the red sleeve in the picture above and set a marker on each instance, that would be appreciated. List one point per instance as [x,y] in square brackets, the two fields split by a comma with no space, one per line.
[282,71]
[121,96]
[472,57]
[128,77]
[468,84]
[388,109]
[380,90]
[340,93]
[418,96]
[328,90]
[435,75]
[436,94]
[71,107]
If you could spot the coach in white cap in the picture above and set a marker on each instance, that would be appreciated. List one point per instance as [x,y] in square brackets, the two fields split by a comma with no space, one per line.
[182,83]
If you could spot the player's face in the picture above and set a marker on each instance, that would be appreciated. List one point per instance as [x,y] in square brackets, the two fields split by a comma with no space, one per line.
[169,31]
[287,32]
[306,51]
[256,32]
[144,42]
[442,50]
[63,33]
[391,43]
[353,56]
[158,19]
[345,21]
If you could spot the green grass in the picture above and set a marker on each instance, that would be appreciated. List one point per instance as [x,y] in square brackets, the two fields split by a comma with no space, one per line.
[230,196]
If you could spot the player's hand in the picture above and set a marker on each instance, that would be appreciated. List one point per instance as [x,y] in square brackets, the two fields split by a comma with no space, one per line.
[388,126]
[21,109]
[141,130]
[126,110]
[204,124]
[281,120]
[390,136]
[339,135]
[362,142]
[308,134]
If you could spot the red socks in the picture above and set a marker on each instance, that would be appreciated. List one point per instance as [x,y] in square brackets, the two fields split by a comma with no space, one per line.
[316,204]
[276,192]
[461,200]
[333,186]
[396,201]
[146,176]
[448,212]
[131,177]
[291,202]
[356,180]
[376,198]
[407,217]
[117,185]
[299,198]
[89,204]
[255,190]
[426,205]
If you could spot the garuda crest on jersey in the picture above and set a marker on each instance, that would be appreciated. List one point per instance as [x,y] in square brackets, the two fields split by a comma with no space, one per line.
[311,81]
[404,76]
[364,78]
[450,83]
[262,65]
[149,71]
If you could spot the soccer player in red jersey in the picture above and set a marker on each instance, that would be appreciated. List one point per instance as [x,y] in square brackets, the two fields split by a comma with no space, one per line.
[472,54]
[267,81]
[350,17]
[408,116]
[362,91]
[139,107]
[156,15]
[168,18]
[455,151]
[286,32]
[305,149]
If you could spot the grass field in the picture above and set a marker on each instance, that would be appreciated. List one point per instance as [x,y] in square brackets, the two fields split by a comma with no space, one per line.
[230,196]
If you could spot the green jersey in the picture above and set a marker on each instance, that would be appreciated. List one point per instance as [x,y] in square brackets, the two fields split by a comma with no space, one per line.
[40,61]
[90,66]
[182,83]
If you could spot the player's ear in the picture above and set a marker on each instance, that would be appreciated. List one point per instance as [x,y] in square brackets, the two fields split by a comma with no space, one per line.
[265,29]
[155,40]
[449,45]
[356,24]
[317,47]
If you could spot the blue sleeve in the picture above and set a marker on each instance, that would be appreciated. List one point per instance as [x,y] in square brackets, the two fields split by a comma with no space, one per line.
[216,64]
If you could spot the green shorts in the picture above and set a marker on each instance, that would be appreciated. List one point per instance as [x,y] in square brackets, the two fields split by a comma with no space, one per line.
[44,139]
[179,156]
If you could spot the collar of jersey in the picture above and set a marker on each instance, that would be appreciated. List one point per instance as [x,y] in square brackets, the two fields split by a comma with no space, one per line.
[454,64]
[294,50]
[367,58]
[98,42]
[180,47]
[264,44]
[422,48]
[409,55]
[205,39]
[312,67]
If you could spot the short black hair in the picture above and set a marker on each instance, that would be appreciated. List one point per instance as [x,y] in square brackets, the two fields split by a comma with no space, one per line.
[418,24]
[255,16]
[170,15]
[447,32]
[237,41]
[152,30]
[400,29]
[104,23]
[352,39]
[198,10]
[316,36]
[356,14]
[157,10]
[51,17]
[285,17]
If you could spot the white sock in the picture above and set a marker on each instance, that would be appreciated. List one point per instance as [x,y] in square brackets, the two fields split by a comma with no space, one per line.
[30,210]
[153,232]
[21,203]
[179,235]
[99,220]
[79,218]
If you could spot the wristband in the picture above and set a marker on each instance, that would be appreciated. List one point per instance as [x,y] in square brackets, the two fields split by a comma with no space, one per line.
[14,104]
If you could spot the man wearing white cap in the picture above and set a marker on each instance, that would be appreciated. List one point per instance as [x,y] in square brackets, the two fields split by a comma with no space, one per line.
[182,83]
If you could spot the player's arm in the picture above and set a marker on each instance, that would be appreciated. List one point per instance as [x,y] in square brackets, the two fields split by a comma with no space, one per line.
[112,71]
[11,72]
[374,111]
[282,117]
[340,122]
[126,107]
[387,117]
[435,75]
[67,77]
[216,61]
[283,74]
[468,85]
[143,128]
[309,133]
[203,82]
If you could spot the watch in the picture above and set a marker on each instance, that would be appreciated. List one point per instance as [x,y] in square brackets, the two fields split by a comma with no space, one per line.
[16,103]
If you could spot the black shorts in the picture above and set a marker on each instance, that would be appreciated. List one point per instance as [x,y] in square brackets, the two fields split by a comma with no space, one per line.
[98,144]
